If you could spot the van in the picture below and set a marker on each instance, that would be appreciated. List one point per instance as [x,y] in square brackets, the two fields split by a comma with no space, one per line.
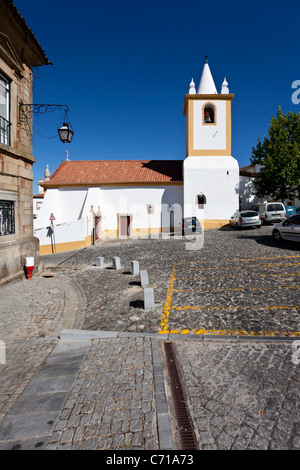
[270,212]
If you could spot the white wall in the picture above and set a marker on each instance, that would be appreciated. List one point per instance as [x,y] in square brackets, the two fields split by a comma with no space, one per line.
[210,137]
[71,201]
[93,201]
[215,177]
[134,200]
[64,233]
[248,196]
[65,203]
[50,205]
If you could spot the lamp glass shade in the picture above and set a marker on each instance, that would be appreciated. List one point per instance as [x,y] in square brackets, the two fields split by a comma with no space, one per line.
[65,133]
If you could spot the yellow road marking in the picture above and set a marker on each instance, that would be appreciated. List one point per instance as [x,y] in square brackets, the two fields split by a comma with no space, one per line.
[247,259]
[167,306]
[220,307]
[185,331]
[238,289]
[248,266]
[227,277]
[203,331]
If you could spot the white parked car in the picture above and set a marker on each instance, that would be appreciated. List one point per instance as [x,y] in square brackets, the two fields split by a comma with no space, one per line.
[245,219]
[270,212]
[289,229]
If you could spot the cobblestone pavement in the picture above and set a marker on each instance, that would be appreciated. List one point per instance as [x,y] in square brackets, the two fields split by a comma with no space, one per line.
[240,282]
[235,303]
[242,396]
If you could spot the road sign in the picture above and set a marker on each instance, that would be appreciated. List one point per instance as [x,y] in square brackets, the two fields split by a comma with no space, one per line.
[52,217]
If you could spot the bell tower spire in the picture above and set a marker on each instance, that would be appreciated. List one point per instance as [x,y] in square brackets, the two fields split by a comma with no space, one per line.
[206,84]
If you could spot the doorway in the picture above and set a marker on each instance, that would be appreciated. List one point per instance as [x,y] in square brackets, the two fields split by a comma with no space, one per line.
[97,228]
[124,225]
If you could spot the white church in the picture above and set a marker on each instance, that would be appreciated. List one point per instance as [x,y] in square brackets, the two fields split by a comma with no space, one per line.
[140,198]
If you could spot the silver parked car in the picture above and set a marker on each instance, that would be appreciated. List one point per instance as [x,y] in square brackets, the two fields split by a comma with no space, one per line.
[245,219]
[289,229]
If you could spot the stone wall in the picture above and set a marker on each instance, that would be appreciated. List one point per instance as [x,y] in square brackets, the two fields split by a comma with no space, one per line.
[16,185]
[16,176]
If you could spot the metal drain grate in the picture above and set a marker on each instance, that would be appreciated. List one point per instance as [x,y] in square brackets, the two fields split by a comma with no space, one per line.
[184,422]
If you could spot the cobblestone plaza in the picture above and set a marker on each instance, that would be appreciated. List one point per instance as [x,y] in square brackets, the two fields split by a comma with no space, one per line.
[231,309]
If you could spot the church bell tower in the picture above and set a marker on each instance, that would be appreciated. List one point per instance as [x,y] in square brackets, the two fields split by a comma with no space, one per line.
[211,174]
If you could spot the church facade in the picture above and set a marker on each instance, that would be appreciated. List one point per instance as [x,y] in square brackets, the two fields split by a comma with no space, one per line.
[96,199]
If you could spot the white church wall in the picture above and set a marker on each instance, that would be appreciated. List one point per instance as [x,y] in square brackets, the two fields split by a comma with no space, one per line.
[144,204]
[217,178]
[67,236]
[65,203]
[210,137]
[50,205]
[93,201]
[71,201]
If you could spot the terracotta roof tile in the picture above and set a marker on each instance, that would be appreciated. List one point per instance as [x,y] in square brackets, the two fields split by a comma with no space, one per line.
[116,171]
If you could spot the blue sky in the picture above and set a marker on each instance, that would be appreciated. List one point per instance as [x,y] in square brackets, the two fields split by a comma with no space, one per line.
[123,68]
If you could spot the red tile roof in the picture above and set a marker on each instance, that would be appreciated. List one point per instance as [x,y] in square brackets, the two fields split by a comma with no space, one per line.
[116,172]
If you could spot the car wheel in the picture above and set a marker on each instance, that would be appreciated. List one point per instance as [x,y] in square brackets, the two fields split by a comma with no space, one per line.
[276,235]
[237,226]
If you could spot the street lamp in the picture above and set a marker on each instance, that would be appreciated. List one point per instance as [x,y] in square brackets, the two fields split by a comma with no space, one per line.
[65,131]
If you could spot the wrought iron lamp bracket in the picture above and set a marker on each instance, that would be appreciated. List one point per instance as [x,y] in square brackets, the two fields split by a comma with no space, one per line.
[26,111]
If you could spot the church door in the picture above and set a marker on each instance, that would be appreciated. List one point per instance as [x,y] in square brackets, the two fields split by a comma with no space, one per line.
[124,225]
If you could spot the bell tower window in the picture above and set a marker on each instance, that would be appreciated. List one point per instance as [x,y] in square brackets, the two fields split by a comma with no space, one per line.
[209,113]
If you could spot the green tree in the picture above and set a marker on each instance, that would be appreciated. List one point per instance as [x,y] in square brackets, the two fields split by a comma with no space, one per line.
[279,155]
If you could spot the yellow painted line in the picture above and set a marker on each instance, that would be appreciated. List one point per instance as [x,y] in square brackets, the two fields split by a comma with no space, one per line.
[237,275]
[167,306]
[238,289]
[203,331]
[246,259]
[220,307]
[248,266]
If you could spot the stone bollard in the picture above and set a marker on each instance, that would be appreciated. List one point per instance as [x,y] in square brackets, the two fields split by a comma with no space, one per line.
[135,267]
[148,298]
[116,262]
[144,278]
[99,261]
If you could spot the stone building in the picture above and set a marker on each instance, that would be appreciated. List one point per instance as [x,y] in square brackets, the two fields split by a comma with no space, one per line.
[19,53]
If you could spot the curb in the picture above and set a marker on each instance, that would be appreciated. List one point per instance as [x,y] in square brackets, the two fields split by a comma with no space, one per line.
[81,335]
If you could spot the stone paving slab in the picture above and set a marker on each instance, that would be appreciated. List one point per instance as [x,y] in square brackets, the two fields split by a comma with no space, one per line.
[35,413]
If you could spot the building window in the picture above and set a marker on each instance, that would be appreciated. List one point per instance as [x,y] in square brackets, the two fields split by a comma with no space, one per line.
[209,114]
[4,111]
[201,201]
[7,217]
